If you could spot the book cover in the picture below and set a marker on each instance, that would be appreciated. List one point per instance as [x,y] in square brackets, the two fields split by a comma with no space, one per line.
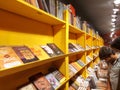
[52,80]
[25,54]
[40,82]
[55,48]
[58,75]
[71,88]
[51,6]
[81,63]
[40,4]
[48,50]
[45,6]
[28,86]
[73,69]
[76,66]
[72,48]
[39,52]
[8,58]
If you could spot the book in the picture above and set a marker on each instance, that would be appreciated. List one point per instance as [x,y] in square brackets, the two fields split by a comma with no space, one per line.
[52,80]
[81,63]
[76,66]
[72,48]
[55,48]
[57,74]
[40,82]
[71,68]
[28,86]
[8,58]
[48,50]
[39,52]
[51,6]
[25,54]
[71,88]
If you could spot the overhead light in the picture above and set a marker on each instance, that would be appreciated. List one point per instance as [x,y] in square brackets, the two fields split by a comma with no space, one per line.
[113,23]
[116,2]
[113,19]
[113,29]
[113,16]
[115,9]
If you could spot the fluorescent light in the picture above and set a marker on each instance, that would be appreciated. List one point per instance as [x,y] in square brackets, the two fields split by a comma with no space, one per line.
[117,2]
[113,29]
[113,16]
[115,9]
[113,19]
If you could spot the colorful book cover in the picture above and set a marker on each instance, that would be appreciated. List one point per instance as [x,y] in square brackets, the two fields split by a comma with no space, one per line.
[55,48]
[8,58]
[40,82]
[52,80]
[57,74]
[28,86]
[76,66]
[81,63]
[73,69]
[25,54]
[48,50]
[39,52]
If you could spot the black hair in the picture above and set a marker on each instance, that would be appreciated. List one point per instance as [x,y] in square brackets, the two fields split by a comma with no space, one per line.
[105,52]
[116,43]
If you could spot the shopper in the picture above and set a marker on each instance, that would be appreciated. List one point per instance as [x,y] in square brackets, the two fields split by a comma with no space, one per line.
[115,44]
[111,57]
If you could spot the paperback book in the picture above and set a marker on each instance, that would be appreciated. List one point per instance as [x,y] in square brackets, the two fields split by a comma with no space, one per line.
[40,82]
[25,54]
[48,50]
[57,74]
[8,58]
[55,48]
[52,80]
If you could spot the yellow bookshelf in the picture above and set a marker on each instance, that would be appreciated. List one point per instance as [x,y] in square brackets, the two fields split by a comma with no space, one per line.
[24,24]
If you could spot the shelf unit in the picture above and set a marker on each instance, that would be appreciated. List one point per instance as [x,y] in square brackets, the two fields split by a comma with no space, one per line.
[24,24]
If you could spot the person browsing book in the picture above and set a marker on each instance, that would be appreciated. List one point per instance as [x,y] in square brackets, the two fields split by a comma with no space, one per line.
[111,57]
[115,44]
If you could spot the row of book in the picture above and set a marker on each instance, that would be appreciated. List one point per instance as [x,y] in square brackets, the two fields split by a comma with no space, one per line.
[11,56]
[79,83]
[75,67]
[54,7]
[40,81]
[57,8]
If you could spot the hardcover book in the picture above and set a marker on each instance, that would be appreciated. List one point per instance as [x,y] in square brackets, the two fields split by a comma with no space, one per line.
[52,80]
[48,50]
[40,82]
[8,58]
[57,74]
[28,86]
[39,52]
[55,48]
[25,54]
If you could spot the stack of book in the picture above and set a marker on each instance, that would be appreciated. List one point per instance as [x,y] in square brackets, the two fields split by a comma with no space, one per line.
[40,81]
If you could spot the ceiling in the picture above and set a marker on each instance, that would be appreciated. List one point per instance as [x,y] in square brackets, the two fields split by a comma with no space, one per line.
[97,13]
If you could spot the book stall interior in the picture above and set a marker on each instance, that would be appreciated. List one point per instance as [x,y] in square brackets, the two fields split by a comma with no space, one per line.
[45,45]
